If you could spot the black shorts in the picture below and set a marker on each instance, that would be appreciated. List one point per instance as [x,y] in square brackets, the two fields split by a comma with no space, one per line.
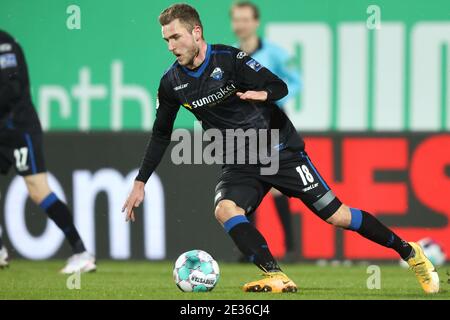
[296,177]
[23,150]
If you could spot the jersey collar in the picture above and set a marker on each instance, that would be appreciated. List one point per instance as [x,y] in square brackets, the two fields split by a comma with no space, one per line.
[197,73]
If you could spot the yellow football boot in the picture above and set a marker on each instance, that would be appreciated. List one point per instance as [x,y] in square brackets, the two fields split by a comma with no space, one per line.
[276,282]
[424,270]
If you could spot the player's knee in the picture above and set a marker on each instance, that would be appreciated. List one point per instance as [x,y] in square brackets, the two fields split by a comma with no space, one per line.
[37,192]
[341,218]
[227,209]
[36,195]
[33,191]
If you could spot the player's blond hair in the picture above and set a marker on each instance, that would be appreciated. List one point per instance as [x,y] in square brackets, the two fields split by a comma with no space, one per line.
[187,15]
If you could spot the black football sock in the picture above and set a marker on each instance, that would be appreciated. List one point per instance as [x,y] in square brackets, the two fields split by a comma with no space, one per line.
[371,228]
[60,214]
[251,243]
[282,205]
[1,243]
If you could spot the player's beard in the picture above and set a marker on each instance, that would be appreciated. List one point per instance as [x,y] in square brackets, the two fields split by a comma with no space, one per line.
[193,53]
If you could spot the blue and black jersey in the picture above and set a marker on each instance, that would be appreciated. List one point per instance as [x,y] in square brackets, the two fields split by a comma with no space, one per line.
[20,129]
[209,92]
[16,107]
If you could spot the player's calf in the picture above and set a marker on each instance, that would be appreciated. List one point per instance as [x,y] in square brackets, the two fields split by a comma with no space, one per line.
[246,237]
[40,193]
[370,228]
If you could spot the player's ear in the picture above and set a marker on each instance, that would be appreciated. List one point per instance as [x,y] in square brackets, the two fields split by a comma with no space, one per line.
[197,32]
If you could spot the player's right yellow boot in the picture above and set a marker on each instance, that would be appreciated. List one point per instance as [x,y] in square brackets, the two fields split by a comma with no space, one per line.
[424,270]
[276,282]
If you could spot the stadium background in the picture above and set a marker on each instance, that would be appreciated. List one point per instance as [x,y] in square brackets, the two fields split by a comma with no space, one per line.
[375,108]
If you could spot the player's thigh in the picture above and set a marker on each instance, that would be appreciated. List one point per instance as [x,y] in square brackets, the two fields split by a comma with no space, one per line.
[302,180]
[246,192]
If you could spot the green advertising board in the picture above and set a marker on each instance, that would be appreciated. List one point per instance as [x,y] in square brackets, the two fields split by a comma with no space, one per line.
[378,65]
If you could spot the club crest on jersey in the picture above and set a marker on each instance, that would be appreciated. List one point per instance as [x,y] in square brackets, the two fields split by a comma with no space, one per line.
[241,54]
[255,65]
[217,74]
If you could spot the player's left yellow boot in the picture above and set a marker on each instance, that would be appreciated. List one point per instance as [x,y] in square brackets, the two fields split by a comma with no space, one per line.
[424,270]
[276,282]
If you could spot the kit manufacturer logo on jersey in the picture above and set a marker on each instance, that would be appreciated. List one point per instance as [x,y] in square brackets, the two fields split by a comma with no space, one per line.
[217,74]
[5,47]
[312,186]
[8,60]
[255,65]
[181,86]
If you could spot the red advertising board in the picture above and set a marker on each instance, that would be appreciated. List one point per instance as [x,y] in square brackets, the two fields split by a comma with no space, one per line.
[403,179]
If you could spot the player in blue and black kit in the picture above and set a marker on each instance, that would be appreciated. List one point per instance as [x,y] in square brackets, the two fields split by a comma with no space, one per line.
[245,22]
[228,90]
[21,147]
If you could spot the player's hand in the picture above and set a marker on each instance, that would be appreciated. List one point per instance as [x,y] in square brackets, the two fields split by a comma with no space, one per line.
[253,95]
[134,200]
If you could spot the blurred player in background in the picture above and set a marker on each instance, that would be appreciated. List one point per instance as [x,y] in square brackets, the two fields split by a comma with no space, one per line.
[245,22]
[228,90]
[21,146]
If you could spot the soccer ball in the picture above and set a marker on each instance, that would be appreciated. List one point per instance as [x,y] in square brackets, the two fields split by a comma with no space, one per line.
[432,250]
[196,271]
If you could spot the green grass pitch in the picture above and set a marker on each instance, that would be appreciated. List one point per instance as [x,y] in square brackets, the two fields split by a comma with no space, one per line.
[153,280]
